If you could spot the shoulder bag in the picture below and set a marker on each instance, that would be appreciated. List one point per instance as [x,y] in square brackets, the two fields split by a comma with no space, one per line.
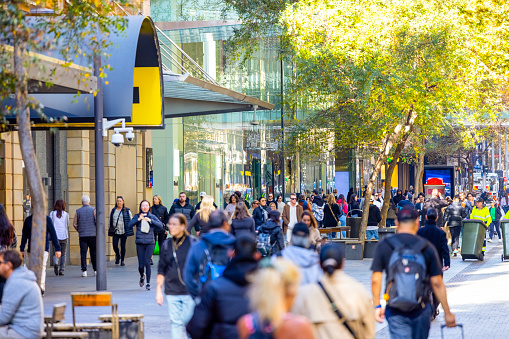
[337,221]
[336,310]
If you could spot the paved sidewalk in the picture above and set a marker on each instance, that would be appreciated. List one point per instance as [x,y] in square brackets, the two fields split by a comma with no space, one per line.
[477,293]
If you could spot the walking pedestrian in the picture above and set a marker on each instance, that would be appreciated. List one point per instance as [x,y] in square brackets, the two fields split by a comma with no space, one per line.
[349,195]
[438,239]
[408,317]
[198,205]
[479,212]
[60,219]
[183,206]
[84,223]
[299,253]
[504,201]
[146,225]
[270,199]
[208,258]
[343,207]
[391,214]
[8,240]
[259,213]
[270,236]
[438,204]
[230,208]
[338,306]
[354,208]
[161,212]
[120,216]
[317,208]
[50,234]
[242,223]
[465,203]
[496,214]
[271,295]
[453,217]
[292,214]
[314,234]
[419,206]
[172,259]
[398,197]
[304,203]
[201,220]
[280,204]
[225,300]
[272,206]
[331,214]
[374,218]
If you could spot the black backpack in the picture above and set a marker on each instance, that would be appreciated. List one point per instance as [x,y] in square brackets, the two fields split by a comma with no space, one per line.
[214,261]
[407,275]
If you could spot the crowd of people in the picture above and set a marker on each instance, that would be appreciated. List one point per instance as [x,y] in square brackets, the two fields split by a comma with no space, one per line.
[262,270]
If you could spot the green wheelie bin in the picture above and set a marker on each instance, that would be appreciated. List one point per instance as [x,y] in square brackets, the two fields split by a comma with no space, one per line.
[504,227]
[474,232]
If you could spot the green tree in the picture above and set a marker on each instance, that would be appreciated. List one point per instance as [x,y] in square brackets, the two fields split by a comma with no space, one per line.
[80,28]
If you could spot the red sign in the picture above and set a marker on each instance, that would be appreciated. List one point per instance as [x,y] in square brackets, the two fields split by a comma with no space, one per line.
[434,181]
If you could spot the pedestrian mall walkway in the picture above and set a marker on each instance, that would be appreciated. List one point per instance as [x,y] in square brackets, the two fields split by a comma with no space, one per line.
[477,293]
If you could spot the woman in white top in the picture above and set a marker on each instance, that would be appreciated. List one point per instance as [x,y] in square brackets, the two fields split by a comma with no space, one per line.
[231,206]
[280,204]
[60,219]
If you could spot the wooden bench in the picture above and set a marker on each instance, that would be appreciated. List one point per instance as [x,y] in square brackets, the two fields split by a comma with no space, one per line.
[121,317]
[59,315]
[128,325]
[88,299]
[325,230]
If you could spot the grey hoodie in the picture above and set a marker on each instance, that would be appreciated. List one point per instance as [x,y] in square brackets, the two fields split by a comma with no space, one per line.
[22,304]
[308,262]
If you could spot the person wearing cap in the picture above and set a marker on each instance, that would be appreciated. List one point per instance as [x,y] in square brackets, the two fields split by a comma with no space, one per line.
[374,217]
[224,301]
[198,205]
[84,223]
[438,238]
[299,253]
[349,296]
[480,212]
[414,324]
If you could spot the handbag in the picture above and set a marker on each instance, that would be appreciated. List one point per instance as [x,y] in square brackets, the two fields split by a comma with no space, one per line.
[337,221]
[336,310]
[111,229]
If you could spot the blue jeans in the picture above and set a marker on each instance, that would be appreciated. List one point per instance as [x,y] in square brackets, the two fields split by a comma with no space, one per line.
[495,224]
[404,327]
[372,234]
[342,220]
[181,308]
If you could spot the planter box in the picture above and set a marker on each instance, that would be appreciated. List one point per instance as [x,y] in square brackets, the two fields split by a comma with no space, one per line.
[353,251]
[384,232]
[369,248]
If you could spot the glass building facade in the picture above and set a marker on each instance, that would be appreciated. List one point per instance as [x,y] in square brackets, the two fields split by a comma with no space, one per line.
[223,153]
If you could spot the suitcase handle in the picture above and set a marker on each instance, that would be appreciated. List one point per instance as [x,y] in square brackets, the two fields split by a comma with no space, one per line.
[457,325]
[442,326]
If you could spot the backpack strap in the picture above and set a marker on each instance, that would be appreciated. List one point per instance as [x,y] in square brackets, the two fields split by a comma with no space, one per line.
[335,309]
[394,242]
[420,245]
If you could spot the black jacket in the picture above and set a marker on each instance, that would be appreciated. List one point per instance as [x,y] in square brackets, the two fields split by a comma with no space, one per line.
[27,235]
[331,215]
[244,226]
[161,213]
[187,210]
[276,234]
[258,216]
[454,215]
[223,302]
[437,204]
[498,213]
[374,216]
[397,198]
[113,223]
[354,208]
[168,265]
[438,238]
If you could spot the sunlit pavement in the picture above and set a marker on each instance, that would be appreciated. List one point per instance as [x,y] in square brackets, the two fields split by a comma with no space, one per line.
[478,293]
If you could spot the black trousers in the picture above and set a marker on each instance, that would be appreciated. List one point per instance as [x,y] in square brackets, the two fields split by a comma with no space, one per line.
[144,253]
[455,235]
[122,239]
[85,244]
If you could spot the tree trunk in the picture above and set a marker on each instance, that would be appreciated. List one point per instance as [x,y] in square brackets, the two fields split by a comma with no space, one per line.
[382,158]
[39,199]
[419,188]
[388,177]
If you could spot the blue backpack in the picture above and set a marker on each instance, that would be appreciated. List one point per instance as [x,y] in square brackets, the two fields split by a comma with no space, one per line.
[407,275]
[215,261]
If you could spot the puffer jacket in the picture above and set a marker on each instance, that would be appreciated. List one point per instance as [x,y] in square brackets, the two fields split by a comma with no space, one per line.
[276,234]
[454,215]
[187,210]
[144,238]
[224,301]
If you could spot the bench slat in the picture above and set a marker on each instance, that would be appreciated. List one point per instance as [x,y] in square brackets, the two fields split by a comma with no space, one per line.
[82,326]
[69,335]
[131,317]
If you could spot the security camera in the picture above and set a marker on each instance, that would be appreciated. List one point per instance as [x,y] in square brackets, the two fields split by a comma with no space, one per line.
[129,136]
[117,139]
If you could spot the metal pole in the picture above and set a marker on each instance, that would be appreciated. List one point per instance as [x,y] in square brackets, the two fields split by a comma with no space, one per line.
[101,280]
[505,152]
[283,160]
[483,162]
[493,157]
[499,167]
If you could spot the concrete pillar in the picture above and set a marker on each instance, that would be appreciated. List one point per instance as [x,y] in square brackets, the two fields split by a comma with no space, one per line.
[78,172]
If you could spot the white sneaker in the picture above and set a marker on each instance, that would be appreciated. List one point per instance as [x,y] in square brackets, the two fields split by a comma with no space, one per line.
[499,240]
[84,274]
[95,273]
[489,240]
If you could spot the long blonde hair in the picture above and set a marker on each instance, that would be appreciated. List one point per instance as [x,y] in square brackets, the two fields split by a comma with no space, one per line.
[331,199]
[270,288]
[206,207]
[158,197]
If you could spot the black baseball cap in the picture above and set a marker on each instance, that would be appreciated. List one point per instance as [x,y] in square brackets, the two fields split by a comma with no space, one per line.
[407,214]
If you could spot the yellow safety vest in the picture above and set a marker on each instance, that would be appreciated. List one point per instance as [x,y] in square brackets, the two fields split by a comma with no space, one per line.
[482,214]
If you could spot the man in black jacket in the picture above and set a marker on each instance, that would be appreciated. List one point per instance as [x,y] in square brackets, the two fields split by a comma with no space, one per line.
[182,206]
[438,238]
[453,216]
[225,300]
[374,218]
